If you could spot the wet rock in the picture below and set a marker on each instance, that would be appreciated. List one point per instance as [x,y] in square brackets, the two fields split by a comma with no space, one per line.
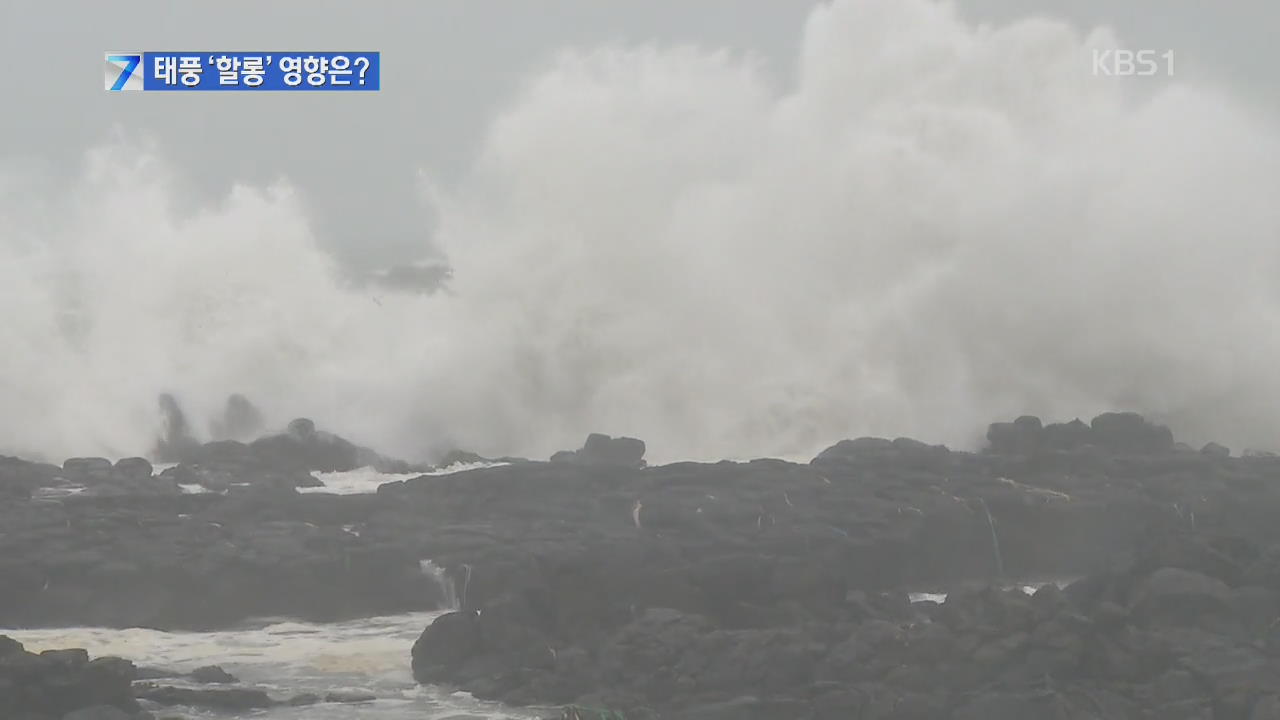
[87,470]
[604,450]
[57,682]
[1066,436]
[349,697]
[212,674]
[1130,432]
[133,468]
[230,699]
[857,449]
[303,447]
[9,646]
[1213,449]
[1023,436]
[445,645]
[19,478]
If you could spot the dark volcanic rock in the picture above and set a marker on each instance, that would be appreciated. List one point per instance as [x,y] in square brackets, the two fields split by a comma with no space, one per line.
[349,697]
[88,471]
[1020,437]
[1121,432]
[1066,436]
[228,699]
[1213,449]
[1130,432]
[756,588]
[134,468]
[19,478]
[864,447]
[447,643]
[604,450]
[212,674]
[903,452]
[302,447]
[761,587]
[55,683]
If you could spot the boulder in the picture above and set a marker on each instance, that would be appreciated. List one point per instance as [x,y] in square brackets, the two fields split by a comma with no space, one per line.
[19,478]
[302,447]
[57,682]
[1020,437]
[857,449]
[1066,436]
[228,700]
[1179,595]
[604,450]
[1213,449]
[9,646]
[87,470]
[212,674]
[448,641]
[133,468]
[1129,432]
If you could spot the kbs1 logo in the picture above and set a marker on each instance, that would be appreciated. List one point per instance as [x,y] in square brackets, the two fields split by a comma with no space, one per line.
[248,71]
[1131,63]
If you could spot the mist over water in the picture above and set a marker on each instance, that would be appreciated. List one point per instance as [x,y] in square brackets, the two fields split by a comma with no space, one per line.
[933,225]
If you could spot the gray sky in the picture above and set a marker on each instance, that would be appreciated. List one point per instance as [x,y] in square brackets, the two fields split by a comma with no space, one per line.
[448,66]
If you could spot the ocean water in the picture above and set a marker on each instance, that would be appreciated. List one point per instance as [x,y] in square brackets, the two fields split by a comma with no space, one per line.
[286,658]
[351,482]
[366,479]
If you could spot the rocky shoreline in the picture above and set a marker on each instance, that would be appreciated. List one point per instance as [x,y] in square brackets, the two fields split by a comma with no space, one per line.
[764,589]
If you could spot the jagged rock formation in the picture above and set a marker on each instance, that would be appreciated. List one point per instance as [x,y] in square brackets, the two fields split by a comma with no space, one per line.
[764,589]
[57,684]
[1116,432]
[603,450]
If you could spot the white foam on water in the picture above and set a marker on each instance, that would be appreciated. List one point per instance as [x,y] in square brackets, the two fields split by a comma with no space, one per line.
[366,479]
[286,658]
[193,489]
[57,491]
[909,234]
[1029,587]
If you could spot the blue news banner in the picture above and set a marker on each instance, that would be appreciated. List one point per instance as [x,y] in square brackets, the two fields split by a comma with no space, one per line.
[251,71]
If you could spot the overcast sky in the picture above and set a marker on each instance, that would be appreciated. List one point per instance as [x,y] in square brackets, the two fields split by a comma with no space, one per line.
[448,66]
